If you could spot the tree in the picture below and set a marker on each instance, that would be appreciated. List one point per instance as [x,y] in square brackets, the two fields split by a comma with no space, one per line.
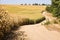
[29,4]
[54,8]
[21,4]
[43,4]
[25,4]
[35,4]
[39,4]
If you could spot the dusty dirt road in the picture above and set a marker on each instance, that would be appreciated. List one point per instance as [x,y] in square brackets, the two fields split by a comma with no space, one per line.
[39,32]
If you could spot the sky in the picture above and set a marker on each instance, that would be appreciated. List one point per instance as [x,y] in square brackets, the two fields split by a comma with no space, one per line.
[24,1]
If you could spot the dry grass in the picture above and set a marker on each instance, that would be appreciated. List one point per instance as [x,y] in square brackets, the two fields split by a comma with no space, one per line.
[31,12]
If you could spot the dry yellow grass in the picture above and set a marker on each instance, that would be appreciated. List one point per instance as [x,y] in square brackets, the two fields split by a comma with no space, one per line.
[32,12]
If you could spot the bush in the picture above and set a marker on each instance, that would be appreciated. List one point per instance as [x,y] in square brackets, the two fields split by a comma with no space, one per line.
[31,21]
[7,23]
[47,23]
[4,23]
[40,20]
[27,21]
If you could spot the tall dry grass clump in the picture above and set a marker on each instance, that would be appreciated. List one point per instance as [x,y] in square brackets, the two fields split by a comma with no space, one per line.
[9,23]
[5,23]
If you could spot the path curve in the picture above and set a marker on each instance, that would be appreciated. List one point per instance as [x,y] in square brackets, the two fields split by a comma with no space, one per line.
[39,32]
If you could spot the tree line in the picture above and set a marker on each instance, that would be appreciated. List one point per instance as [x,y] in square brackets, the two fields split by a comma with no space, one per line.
[32,4]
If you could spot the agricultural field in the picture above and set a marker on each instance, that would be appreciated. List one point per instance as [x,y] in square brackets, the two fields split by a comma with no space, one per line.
[31,12]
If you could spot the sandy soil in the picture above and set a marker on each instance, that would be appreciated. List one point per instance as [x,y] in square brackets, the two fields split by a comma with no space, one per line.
[39,32]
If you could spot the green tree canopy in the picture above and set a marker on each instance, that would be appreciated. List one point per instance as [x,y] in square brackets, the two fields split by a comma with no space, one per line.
[54,8]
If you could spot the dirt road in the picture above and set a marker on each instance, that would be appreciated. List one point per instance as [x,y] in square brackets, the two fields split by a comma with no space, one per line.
[39,32]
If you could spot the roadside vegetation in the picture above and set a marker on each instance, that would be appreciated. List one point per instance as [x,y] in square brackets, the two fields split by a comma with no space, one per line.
[10,23]
[54,8]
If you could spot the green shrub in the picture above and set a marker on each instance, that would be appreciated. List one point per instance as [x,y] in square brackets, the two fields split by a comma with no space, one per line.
[27,21]
[40,20]
[31,22]
[54,8]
